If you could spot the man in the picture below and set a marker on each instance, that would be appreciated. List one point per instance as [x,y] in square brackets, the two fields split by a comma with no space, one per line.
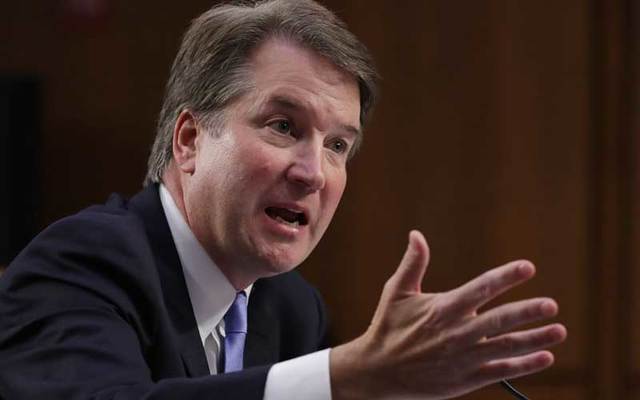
[146,298]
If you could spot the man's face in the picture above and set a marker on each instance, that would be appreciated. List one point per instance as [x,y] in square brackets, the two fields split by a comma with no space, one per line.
[264,190]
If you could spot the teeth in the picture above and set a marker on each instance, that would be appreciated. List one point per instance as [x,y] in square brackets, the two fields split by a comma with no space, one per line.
[283,221]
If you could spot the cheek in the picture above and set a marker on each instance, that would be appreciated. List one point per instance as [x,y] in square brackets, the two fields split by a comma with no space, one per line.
[261,165]
[263,170]
[334,189]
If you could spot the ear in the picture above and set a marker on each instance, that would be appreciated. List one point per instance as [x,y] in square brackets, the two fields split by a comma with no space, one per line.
[185,133]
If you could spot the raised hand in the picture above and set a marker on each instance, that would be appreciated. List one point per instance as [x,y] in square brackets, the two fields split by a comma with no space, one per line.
[437,345]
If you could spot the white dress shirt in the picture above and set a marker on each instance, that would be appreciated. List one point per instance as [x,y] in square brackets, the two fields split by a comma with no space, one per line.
[211,295]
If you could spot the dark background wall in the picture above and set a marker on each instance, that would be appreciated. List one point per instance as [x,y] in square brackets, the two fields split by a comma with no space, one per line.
[507,129]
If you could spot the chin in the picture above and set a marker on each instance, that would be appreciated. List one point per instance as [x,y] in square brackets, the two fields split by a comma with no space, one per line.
[279,261]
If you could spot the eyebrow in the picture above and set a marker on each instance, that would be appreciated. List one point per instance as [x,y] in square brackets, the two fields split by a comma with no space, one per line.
[294,105]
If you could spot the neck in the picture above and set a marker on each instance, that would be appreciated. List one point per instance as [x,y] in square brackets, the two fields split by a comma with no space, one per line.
[172,181]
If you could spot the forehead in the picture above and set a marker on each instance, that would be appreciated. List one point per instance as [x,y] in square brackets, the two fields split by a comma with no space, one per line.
[281,69]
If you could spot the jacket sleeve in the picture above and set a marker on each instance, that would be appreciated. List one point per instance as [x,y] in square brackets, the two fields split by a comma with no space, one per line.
[71,326]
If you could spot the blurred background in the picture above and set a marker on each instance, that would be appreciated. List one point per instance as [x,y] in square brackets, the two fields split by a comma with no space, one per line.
[507,129]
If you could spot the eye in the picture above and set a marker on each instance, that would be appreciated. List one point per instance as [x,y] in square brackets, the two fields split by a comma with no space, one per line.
[282,126]
[339,146]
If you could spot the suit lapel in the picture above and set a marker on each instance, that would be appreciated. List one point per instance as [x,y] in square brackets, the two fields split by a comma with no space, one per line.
[262,345]
[176,297]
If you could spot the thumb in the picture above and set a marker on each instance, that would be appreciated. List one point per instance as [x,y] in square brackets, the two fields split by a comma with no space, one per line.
[408,276]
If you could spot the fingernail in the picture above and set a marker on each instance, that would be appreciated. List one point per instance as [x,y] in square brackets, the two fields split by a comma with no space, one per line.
[559,332]
[548,308]
[526,269]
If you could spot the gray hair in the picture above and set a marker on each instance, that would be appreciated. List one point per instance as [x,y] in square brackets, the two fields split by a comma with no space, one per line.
[210,69]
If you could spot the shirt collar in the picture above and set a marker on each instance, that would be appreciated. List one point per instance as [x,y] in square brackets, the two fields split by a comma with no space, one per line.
[210,291]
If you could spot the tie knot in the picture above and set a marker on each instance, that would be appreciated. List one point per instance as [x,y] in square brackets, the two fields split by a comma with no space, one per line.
[235,320]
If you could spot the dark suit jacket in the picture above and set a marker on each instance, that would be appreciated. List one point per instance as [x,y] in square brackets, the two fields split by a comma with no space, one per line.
[96,307]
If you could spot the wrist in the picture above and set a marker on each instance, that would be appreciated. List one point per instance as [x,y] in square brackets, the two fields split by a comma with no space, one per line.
[349,371]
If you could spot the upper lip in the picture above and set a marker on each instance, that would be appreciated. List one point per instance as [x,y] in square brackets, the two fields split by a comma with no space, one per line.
[295,207]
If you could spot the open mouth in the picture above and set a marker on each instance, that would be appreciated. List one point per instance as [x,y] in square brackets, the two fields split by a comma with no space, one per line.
[286,216]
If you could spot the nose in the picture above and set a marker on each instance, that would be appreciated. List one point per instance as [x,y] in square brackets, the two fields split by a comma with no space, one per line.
[307,168]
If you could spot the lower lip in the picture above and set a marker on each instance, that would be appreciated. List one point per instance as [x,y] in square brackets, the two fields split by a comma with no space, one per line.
[282,229]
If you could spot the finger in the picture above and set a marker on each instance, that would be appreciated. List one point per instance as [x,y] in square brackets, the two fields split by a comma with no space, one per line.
[477,292]
[508,316]
[518,343]
[408,276]
[515,367]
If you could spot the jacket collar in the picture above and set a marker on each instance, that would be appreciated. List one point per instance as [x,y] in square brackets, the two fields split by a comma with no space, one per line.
[147,205]
[262,344]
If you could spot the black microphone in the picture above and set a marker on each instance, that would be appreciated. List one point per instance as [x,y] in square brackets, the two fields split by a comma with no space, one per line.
[509,388]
